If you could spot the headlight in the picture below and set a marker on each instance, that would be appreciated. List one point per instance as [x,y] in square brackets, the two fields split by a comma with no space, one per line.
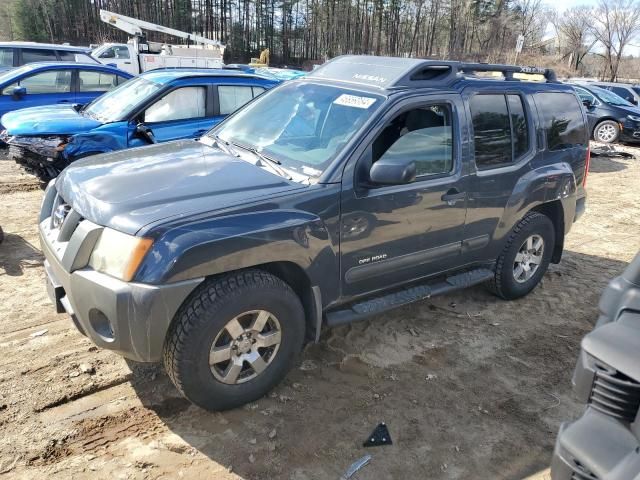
[635,118]
[118,254]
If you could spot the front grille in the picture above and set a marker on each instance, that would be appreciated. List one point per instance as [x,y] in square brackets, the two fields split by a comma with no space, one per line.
[615,394]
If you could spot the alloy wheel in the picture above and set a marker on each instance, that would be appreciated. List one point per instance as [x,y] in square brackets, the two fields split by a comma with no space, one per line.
[528,258]
[245,347]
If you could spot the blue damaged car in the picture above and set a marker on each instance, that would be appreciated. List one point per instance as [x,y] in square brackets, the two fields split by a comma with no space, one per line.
[157,106]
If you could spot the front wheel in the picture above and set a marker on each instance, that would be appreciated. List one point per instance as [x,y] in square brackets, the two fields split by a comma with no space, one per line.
[234,339]
[525,258]
[607,131]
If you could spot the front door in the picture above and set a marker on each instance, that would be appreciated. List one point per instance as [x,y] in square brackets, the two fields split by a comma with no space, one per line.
[398,233]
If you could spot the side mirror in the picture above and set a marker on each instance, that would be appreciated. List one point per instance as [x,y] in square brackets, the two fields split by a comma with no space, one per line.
[587,103]
[145,132]
[392,172]
[18,92]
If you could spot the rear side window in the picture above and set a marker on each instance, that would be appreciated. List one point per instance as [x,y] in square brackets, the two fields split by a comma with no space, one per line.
[93,81]
[500,131]
[30,55]
[232,98]
[6,57]
[562,120]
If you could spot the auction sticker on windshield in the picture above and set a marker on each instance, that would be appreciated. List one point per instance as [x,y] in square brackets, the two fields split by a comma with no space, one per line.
[354,101]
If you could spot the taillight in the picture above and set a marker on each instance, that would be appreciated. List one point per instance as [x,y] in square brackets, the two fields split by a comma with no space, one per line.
[586,166]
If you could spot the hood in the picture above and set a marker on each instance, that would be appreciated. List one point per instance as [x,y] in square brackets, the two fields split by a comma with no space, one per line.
[129,189]
[48,120]
[626,109]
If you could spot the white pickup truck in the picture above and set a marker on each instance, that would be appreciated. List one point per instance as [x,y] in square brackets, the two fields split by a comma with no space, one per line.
[127,57]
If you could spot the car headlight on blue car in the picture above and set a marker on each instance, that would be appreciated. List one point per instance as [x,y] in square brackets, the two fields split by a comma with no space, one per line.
[118,254]
[635,118]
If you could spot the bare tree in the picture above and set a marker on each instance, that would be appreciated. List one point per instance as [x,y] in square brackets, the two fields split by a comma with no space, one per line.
[614,23]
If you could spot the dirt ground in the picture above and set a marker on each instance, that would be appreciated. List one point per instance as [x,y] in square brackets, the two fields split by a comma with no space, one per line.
[471,387]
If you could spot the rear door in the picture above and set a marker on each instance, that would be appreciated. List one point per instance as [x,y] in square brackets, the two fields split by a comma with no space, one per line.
[42,88]
[180,113]
[503,144]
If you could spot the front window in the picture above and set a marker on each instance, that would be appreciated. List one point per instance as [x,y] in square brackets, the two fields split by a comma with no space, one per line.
[180,104]
[118,103]
[51,81]
[585,95]
[422,135]
[303,125]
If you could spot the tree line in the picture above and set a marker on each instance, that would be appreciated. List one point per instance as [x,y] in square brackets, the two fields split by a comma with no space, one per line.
[302,32]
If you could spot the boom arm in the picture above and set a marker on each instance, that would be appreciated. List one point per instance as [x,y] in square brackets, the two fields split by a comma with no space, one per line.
[135,27]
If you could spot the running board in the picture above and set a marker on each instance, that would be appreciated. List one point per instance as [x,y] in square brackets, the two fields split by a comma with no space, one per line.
[366,308]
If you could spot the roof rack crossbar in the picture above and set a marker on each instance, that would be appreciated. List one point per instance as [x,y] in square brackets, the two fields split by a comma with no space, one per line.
[508,70]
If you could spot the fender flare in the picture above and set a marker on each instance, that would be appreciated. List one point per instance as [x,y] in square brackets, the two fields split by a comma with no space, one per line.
[212,246]
[551,183]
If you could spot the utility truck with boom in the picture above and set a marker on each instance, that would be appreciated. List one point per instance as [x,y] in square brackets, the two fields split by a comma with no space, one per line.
[139,55]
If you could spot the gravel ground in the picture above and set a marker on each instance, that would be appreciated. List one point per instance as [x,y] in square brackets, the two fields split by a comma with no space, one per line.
[470,386]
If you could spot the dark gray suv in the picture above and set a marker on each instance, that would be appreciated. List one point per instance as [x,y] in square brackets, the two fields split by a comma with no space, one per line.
[368,184]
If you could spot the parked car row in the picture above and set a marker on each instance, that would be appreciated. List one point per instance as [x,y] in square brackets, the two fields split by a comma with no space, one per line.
[157,106]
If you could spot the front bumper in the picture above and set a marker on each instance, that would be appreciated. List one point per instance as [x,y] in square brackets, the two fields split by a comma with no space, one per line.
[129,318]
[630,131]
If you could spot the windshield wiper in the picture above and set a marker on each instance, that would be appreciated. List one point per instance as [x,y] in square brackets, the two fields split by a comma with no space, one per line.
[265,160]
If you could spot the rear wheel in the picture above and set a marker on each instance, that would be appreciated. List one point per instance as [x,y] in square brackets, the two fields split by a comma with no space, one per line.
[607,131]
[234,339]
[525,258]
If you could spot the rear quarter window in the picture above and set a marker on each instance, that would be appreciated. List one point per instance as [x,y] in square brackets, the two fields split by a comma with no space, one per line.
[562,120]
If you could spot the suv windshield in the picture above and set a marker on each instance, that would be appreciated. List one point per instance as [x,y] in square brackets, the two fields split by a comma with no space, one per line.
[116,105]
[609,97]
[303,125]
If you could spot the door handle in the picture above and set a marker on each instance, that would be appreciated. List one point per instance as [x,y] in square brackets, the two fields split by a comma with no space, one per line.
[127,63]
[64,101]
[453,196]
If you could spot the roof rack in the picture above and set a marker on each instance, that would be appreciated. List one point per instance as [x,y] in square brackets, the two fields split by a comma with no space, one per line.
[393,73]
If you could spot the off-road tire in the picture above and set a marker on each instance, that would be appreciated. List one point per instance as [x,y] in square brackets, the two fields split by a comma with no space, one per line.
[611,126]
[203,316]
[504,284]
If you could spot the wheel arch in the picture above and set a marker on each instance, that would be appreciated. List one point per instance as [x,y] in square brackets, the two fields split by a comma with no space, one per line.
[555,212]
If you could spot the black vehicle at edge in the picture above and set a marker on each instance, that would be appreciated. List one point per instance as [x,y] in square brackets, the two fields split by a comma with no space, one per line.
[604,443]
[611,117]
[371,183]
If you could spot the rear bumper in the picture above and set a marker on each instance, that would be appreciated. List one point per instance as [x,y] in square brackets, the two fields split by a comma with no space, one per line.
[131,319]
